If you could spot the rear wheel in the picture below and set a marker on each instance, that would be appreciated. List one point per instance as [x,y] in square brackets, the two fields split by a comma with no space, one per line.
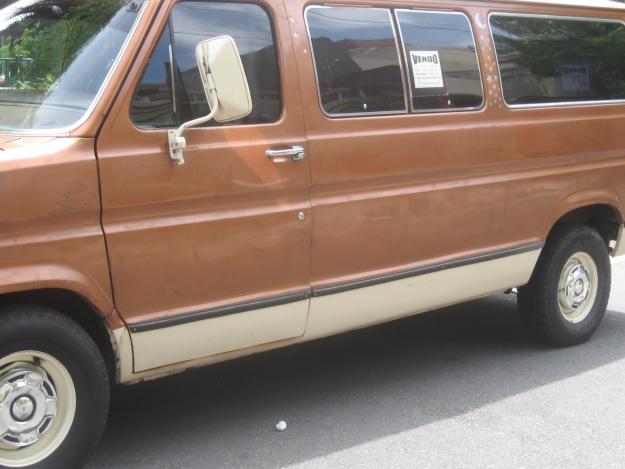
[567,296]
[54,391]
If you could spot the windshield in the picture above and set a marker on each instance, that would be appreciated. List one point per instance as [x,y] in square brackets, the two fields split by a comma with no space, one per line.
[55,56]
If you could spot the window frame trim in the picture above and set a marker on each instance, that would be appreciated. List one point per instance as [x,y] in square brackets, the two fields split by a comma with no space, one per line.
[175,90]
[590,102]
[406,110]
[477,57]
[171,74]
[279,61]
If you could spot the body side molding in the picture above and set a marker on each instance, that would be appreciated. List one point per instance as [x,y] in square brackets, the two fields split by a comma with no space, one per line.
[409,295]
[166,346]
[221,311]
[461,262]
[238,308]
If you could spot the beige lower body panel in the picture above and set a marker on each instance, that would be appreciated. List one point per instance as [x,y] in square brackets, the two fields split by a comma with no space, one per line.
[182,343]
[371,305]
[177,348]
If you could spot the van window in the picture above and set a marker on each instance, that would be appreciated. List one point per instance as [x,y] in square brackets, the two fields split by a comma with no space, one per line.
[192,22]
[153,102]
[442,60]
[551,60]
[356,60]
[56,58]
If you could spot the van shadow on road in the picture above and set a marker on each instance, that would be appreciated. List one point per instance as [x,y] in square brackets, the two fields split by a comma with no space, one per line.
[341,391]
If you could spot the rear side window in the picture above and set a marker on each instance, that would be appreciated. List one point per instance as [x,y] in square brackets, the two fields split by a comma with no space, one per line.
[171,91]
[356,60]
[442,60]
[551,60]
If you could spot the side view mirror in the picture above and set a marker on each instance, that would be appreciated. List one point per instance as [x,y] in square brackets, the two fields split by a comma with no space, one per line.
[225,85]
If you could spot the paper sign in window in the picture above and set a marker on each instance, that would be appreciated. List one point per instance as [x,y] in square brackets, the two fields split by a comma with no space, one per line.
[426,69]
[575,78]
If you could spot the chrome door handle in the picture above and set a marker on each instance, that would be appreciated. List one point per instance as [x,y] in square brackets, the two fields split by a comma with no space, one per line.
[281,155]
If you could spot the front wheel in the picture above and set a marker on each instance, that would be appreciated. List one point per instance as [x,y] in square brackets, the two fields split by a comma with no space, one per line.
[568,293]
[54,391]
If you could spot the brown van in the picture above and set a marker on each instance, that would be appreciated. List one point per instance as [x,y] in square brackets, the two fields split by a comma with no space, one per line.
[186,182]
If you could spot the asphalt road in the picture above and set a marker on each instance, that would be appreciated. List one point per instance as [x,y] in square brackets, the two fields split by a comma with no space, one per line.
[459,388]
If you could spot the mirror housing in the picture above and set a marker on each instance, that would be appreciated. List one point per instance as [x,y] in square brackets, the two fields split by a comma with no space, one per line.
[225,85]
[224,79]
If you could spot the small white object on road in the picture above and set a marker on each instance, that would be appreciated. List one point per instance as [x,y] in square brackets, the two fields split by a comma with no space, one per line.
[281,426]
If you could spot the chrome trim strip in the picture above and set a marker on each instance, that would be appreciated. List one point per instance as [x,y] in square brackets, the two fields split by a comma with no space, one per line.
[566,104]
[554,17]
[330,290]
[405,80]
[172,77]
[407,63]
[237,308]
[399,60]
[89,112]
[221,311]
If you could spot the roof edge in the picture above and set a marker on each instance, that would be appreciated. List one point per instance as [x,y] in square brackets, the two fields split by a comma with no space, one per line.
[609,5]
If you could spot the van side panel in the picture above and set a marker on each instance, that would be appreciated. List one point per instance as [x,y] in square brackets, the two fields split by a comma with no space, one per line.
[428,194]
[212,256]
[390,193]
[50,233]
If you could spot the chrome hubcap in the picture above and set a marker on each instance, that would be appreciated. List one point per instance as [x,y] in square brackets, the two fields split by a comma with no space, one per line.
[28,406]
[37,407]
[577,289]
[23,408]
[577,286]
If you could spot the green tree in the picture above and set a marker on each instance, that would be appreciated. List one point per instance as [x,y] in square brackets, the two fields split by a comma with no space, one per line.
[48,35]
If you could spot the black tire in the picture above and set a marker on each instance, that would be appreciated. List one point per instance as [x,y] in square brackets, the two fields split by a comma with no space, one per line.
[538,301]
[33,328]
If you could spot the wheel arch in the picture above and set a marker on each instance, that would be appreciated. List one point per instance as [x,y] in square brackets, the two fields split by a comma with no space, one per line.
[78,308]
[602,214]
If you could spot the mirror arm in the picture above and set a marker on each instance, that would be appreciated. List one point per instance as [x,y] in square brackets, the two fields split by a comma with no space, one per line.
[177,143]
